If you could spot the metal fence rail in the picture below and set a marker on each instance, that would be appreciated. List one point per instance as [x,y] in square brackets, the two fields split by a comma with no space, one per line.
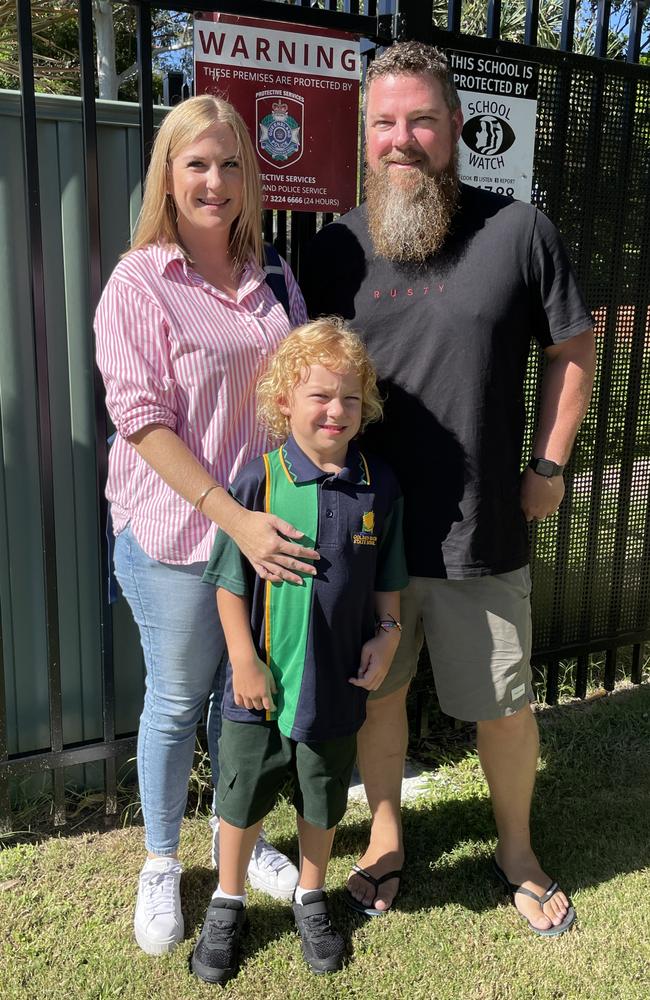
[591,564]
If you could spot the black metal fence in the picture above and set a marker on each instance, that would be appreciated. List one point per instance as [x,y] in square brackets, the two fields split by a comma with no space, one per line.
[591,564]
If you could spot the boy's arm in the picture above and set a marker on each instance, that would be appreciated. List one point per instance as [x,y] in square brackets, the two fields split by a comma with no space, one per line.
[377,654]
[252,681]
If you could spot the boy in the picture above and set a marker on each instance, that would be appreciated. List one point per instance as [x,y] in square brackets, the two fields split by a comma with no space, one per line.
[302,658]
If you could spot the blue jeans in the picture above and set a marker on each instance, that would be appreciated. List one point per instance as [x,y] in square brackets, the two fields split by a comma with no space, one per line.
[183,646]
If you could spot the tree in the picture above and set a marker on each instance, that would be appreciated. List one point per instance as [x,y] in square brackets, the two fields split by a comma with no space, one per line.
[513,20]
[56,46]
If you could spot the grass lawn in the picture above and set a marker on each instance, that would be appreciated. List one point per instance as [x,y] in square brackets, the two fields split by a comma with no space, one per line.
[66,900]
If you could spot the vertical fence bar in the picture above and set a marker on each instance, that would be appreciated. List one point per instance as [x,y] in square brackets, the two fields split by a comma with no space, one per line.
[531,23]
[639,8]
[281,238]
[493,29]
[303,228]
[568,25]
[35,243]
[636,663]
[5,802]
[145,89]
[582,668]
[91,174]
[414,20]
[454,10]
[602,27]
[610,669]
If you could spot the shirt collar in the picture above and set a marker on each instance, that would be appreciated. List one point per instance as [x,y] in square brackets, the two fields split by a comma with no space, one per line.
[166,253]
[301,469]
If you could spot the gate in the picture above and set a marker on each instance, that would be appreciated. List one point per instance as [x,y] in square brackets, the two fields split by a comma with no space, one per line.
[591,564]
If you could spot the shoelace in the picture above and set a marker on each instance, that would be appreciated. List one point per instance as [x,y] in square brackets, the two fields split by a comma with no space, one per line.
[319,925]
[159,892]
[268,857]
[220,929]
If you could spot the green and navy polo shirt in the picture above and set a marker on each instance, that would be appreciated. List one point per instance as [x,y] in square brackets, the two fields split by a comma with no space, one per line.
[311,636]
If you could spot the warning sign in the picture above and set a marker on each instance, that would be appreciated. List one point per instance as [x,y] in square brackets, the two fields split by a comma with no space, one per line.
[297,89]
[499,99]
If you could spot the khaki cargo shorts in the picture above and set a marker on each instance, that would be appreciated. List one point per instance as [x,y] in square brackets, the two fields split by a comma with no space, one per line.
[478,634]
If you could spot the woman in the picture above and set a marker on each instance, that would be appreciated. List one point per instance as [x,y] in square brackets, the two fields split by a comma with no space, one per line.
[184,328]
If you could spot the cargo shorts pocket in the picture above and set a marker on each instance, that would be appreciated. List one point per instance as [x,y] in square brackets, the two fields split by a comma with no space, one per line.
[227,780]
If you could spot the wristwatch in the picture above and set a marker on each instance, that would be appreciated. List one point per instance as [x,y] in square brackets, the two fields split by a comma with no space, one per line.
[544,467]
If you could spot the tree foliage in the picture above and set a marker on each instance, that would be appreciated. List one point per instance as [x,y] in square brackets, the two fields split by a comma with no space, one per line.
[56,46]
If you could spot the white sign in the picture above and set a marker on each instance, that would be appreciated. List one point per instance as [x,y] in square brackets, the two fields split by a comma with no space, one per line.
[499,100]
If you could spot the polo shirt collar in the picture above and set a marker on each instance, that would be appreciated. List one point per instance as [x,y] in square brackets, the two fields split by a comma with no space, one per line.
[301,469]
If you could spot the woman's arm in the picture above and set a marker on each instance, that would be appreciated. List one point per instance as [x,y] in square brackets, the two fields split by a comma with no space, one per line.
[258,535]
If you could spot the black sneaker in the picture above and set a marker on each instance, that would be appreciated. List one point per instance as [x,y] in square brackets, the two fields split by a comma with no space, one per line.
[323,947]
[216,955]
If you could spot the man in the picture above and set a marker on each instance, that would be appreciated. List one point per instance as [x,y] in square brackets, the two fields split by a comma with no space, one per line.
[447,284]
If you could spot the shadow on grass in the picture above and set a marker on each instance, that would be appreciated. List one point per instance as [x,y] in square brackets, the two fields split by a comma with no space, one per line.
[589,820]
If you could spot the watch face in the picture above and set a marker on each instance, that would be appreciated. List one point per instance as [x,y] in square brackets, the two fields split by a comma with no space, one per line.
[544,467]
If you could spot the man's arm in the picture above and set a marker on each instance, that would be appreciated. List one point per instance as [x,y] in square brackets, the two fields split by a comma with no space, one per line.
[565,395]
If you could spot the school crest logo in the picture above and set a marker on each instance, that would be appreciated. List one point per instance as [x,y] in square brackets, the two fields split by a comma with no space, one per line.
[367,534]
[279,127]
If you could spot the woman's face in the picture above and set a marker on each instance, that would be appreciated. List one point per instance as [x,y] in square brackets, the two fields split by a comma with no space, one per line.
[206,183]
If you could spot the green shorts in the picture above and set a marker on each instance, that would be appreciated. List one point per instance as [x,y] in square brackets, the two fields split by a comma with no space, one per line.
[255,760]
[478,634]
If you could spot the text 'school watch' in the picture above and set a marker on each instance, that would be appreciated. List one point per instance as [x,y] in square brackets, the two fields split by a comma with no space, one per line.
[544,467]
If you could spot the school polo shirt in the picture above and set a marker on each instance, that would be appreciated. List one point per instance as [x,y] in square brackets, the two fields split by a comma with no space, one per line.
[311,635]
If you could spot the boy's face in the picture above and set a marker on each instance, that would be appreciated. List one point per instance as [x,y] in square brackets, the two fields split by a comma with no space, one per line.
[324,412]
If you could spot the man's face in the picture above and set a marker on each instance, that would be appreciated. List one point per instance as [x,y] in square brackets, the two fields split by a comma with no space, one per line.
[409,126]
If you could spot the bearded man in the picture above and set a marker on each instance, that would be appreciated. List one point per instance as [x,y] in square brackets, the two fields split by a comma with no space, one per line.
[447,284]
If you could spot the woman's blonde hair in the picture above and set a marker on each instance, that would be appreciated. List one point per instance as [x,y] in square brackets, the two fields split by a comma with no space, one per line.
[182,126]
[327,342]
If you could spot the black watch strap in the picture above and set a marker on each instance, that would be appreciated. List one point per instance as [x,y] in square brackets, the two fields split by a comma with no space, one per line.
[544,467]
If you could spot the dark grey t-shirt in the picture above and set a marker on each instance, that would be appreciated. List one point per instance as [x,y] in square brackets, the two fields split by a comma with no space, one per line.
[450,341]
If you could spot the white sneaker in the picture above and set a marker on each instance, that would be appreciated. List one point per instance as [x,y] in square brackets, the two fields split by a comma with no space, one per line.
[268,869]
[158,922]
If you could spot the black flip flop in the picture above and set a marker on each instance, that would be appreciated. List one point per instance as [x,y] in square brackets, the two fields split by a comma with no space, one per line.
[512,888]
[370,911]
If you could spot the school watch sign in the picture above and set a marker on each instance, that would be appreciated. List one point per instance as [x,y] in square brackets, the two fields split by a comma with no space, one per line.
[297,89]
[499,100]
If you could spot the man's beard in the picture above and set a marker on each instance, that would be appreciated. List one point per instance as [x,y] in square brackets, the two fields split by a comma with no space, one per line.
[410,216]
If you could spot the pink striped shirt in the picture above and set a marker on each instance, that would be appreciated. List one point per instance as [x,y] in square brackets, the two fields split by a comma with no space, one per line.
[174,350]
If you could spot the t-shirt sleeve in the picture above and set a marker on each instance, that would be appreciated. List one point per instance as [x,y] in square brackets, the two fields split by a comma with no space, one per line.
[392,573]
[227,567]
[559,310]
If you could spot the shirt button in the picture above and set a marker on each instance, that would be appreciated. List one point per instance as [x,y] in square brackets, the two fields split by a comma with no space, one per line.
[329,513]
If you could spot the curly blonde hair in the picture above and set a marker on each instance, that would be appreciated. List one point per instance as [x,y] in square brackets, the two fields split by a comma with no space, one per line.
[326,341]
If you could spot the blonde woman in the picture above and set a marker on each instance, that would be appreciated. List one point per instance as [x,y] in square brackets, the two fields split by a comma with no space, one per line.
[184,330]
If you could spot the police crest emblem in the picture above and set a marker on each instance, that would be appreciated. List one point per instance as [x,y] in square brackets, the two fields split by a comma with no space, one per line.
[280,126]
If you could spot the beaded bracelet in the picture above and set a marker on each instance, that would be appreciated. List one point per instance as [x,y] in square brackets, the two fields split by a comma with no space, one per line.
[388,624]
